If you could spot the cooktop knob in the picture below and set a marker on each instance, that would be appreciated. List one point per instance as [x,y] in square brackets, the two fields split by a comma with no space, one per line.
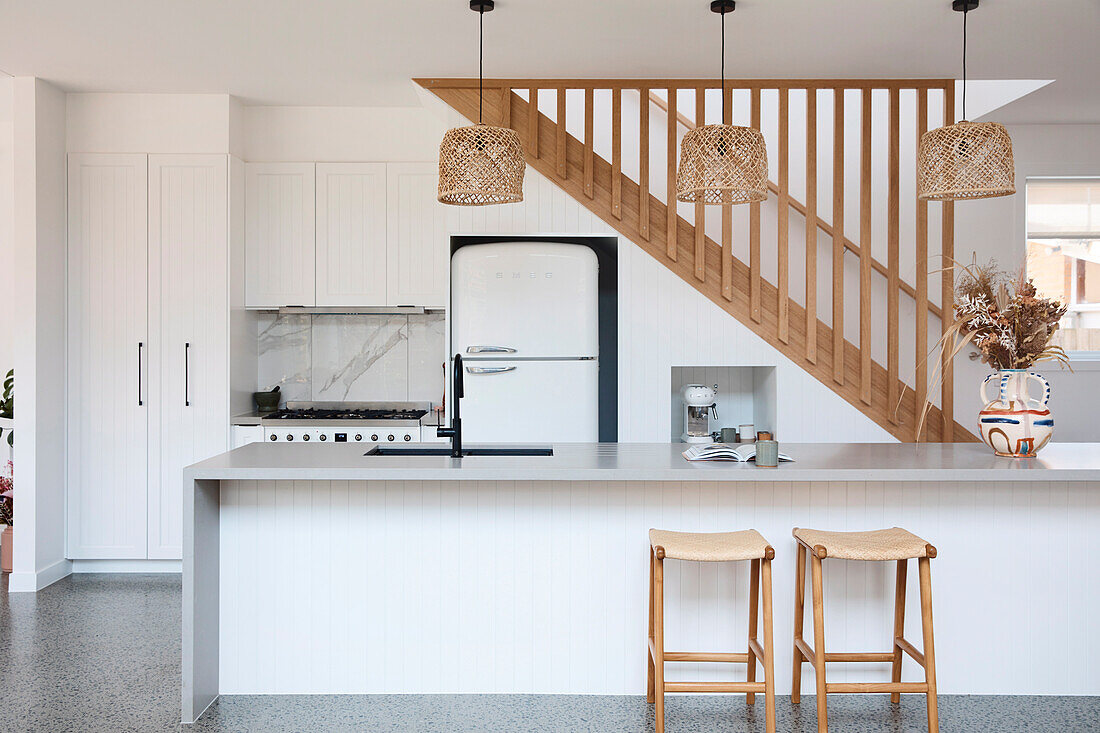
[408,437]
[323,437]
[389,437]
[290,437]
[374,438]
[358,437]
[305,438]
[274,437]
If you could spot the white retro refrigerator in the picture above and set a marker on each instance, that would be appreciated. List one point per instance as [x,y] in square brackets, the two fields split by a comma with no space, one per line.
[525,317]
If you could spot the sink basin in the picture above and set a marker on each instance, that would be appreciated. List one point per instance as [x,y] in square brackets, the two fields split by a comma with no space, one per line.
[445,450]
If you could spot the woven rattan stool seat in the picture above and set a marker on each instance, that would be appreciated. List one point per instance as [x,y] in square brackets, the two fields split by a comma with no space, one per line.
[710,546]
[879,544]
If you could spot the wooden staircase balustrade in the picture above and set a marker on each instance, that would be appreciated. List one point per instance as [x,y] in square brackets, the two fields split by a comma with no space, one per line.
[767,309]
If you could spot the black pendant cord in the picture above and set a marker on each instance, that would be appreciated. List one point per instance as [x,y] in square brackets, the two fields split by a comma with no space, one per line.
[481,62]
[966,10]
[723,90]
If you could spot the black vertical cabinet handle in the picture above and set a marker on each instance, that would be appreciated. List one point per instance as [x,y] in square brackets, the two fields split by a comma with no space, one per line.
[140,345]
[187,374]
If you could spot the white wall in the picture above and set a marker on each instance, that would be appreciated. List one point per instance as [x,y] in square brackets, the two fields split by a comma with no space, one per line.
[996,228]
[147,123]
[39,289]
[7,222]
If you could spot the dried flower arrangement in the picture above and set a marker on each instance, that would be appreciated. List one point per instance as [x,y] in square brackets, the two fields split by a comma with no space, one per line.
[1005,319]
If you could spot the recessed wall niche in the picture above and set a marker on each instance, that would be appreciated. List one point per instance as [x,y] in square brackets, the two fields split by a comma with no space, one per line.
[745,394]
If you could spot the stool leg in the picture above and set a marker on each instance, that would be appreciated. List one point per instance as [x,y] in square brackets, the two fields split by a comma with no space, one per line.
[929,646]
[659,642]
[819,645]
[754,604]
[649,637]
[799,606]
[769,657]
[899,626]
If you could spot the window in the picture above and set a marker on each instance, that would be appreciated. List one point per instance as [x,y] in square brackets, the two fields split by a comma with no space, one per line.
[1063,255]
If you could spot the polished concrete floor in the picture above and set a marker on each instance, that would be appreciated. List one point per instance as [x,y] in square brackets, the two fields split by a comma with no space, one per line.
[102,653]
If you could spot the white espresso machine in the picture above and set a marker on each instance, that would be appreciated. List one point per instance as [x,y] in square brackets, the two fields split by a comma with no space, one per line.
[699,406]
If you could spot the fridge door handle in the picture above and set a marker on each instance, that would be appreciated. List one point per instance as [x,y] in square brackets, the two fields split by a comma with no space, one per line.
[489,370]
[490,350]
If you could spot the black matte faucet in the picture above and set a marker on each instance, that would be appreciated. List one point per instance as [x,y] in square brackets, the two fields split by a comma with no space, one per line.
[455,431]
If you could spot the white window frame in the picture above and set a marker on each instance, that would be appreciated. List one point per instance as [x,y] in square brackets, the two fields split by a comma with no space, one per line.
[1079,359]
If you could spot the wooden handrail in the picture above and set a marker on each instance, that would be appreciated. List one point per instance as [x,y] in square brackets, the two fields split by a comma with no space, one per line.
[472,83]
[798,206]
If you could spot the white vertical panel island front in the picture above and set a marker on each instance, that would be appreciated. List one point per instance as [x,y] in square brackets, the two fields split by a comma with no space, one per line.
[316,569]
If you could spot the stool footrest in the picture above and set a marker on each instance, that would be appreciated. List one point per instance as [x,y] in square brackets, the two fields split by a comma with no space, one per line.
[714,687]
[730,657]
[808,654]
[863,687]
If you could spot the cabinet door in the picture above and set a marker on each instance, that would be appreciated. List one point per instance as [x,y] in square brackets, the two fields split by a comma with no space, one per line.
[279,235]
[189,338]
[419,236]
[351,234]
[108,399]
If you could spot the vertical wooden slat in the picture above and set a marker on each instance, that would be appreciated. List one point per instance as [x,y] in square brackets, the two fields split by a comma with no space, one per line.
[865,249]
[838,236]
[617,153]
[727,211]
[559,150]
[921,299]
[784,305]
[506,106]
[673,216]
[700,208]
[588,142]
[947,288]
[893,280]
[533,123]
[754,230]
[643,163]
[811,226]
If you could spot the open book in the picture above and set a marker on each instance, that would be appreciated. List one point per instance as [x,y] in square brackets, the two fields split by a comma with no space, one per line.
[740,452]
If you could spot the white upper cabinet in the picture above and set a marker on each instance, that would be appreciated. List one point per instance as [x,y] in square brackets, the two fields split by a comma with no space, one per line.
[188,318]
[351,234]
[108,359]
[279,235]
[418,240]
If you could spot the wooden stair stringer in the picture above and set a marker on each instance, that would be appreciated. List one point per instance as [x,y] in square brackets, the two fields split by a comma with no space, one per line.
[901,426]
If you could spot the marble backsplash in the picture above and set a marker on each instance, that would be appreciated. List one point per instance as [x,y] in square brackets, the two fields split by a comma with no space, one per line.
[352,358]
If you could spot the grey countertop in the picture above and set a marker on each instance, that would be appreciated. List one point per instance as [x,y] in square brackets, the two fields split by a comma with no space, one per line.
[658,462]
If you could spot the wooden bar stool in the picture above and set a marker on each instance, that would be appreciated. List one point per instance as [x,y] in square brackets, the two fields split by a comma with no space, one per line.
[880,545]
[711,547]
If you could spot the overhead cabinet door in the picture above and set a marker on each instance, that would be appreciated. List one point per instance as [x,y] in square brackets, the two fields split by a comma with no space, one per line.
[279,235]
[188,314]
[419,236]
[108,396]
[351,234]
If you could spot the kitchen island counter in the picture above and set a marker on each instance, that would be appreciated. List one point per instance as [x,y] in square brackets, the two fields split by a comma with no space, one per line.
[658,462]
[317,569]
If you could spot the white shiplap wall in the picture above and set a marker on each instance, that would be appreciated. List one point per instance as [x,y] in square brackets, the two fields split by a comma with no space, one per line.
[664,322]
[477,587]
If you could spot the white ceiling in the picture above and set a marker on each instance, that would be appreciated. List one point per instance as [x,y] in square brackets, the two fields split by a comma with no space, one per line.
[363,52]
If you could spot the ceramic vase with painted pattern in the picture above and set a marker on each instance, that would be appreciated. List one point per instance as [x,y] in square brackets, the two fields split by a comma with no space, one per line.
[1015,424]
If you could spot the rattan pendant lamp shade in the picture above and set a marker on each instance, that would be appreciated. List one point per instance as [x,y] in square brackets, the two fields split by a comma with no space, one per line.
[722,164]
[967,160]
[481,164]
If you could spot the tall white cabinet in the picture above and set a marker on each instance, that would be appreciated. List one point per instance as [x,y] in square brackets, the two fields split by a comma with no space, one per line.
[108,328]
[148,360]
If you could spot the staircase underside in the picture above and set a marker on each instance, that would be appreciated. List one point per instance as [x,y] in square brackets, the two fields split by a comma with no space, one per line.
[511,110]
